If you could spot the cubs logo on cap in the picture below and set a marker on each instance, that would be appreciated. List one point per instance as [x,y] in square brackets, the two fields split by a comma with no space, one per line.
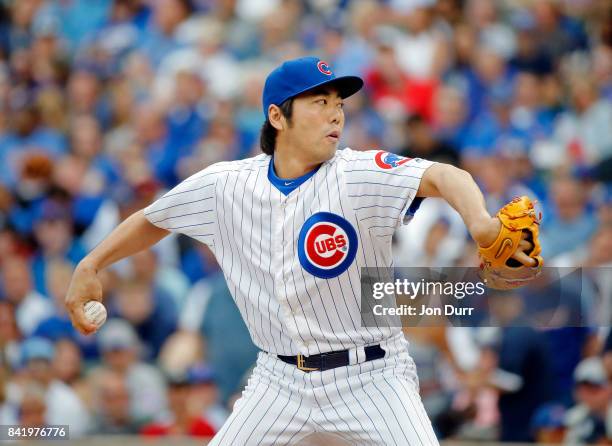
[324,67]
[327,245]
[386,160]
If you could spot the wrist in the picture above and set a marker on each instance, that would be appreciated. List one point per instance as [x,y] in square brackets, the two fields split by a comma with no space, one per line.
[88,265]
[484,229]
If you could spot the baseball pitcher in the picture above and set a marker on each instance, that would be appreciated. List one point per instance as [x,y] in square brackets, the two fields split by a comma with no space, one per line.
[291,229]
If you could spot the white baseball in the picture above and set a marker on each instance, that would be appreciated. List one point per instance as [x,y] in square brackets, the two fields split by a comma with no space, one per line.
[95,312]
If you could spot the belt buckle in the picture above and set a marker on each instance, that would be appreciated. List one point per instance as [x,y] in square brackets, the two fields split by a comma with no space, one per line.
[301,364]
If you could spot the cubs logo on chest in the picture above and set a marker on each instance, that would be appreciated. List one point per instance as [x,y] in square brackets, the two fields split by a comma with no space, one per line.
[327,245]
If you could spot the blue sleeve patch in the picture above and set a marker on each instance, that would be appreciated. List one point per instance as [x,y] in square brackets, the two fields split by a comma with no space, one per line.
[414,206]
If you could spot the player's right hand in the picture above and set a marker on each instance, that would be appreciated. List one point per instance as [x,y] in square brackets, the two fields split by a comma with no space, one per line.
[84,286]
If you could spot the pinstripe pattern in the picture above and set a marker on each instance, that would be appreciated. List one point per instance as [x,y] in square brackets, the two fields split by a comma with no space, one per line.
[372,403]
[252,228]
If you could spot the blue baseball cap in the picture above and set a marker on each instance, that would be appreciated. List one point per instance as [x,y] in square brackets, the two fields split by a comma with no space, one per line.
[297,76]
[36,348]
[549,416]
[200,374]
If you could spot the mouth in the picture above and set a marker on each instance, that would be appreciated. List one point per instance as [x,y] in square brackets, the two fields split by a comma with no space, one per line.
[334,136]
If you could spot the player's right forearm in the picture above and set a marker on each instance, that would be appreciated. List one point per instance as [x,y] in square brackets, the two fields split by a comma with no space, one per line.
[134,234]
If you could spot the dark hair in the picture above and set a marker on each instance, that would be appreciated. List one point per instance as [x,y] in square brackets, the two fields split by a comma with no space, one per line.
[188,6]
[413,120]
[267,139]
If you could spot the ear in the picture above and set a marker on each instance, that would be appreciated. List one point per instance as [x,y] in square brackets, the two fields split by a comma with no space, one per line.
[276,118]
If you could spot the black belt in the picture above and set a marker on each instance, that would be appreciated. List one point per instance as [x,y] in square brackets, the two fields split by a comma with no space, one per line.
[330,360]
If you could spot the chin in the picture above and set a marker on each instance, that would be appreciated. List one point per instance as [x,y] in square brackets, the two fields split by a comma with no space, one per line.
[328,155]
[325,151]
[330,151]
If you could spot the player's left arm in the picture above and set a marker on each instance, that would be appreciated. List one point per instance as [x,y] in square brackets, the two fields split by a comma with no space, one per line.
[459,189]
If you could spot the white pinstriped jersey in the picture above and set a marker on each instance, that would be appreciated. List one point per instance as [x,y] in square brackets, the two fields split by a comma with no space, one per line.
[293,263]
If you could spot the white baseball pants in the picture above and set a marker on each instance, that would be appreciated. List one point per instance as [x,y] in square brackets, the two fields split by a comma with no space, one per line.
[368,403]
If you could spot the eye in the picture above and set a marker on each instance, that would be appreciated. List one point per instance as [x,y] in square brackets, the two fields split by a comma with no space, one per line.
[341,105]
[321,101]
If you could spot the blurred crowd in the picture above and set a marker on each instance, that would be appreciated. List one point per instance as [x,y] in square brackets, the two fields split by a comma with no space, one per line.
[106,104]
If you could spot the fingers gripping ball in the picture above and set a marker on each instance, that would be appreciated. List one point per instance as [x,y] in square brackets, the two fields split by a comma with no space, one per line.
[95,312]
[498,267]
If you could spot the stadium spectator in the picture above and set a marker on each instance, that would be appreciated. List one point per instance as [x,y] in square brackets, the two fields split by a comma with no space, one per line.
[548,424]
[119,345]
[55,238]
[584,131]
[100,171]
[211,311]
[181,351]
[8,409]
[437,377]
[113,402]
[450,119]
[63,405]
[194,404]
[171,281]
[496,178]
[422,143]
[85,95]
[161,36]
[529,55]
[421,49]
[68,367]
[10,337]
[151,311]
[34,185]
[30,306]
[522,374]
[590,420]
[25,135]
[570,224]
[394,94]
[557,33]
[201,63]
[33,407]
[352,52]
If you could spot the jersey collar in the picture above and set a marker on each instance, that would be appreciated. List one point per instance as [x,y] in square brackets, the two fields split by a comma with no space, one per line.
[286,186]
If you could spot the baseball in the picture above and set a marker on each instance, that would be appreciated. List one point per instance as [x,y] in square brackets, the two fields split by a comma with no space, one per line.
[95,312]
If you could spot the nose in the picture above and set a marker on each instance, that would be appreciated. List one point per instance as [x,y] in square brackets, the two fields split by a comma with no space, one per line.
[336,115]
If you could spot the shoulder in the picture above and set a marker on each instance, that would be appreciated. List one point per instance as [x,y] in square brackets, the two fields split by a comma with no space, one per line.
[245,164]
[223,168]
[372,160]
[350,159]
[348,154]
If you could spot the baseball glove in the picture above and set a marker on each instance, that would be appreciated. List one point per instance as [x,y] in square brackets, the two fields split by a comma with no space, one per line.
[497,268]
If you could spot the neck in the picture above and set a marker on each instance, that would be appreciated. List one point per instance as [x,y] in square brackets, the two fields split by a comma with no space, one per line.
[289,163]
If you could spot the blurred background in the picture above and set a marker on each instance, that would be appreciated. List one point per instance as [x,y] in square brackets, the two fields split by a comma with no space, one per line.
[106,104]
